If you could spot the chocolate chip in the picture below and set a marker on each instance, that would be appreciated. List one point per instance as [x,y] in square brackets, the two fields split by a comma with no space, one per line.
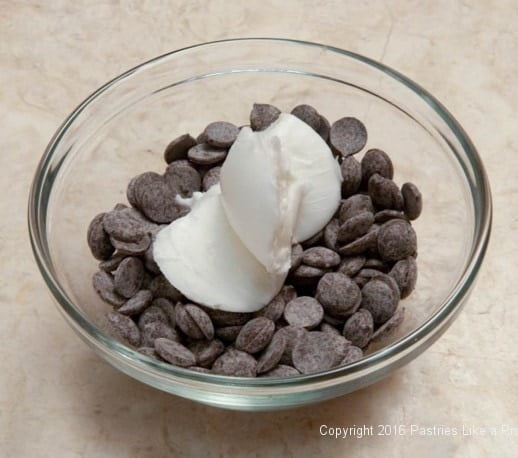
[355,227]
[330,329]
[109,265]
[307,275]
[309,272]
[157,202]
[204,154]
[182,178]
[128,277]
[148,278]
[288,293]
[281,371]
[359,327]
[221,134]
[377,264]
[396,240]
[352,176]
[160,287]
[211,178]
[255,335]
[235,362]
[137,303]
[292,335]
[224,318]
[379,299]
[274,309]
[389,326]
[376,161]
[363,244]
[228,333]
[304,311]
[347,136]
[354,205]
[404,272]
[320,257]
[201,138]
[155,330]
[368,273]
[194,322]
[385,193]
[324,128]
[168,307]
[352,354]
[104,287]
[338,294]
[149,261]
[272,354]
[334,320]
[364,275]
[318,351]
[413,200]
[132,248]
[124,327]
[390,282]
[361,281]
[351,265]
[137,185]
[174,352]
[178,148]
[386,215]
[150,315]
[98,239]
[296,256]
[307,114]
[206,351]
[262,115]
[148,226]
[331,234]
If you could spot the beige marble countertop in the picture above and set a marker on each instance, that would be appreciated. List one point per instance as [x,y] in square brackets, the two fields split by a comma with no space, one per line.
[58,399]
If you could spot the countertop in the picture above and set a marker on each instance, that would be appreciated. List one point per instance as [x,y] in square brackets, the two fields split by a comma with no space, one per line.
[58,399]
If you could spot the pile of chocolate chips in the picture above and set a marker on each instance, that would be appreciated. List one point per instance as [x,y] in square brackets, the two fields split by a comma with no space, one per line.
[341,294]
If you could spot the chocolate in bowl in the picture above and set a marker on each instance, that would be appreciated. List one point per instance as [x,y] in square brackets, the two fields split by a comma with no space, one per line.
[114,135]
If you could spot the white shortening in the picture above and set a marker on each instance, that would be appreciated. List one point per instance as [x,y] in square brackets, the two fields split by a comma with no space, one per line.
[232,251]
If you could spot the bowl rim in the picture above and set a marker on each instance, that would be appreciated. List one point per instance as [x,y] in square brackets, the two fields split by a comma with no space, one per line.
[434,324]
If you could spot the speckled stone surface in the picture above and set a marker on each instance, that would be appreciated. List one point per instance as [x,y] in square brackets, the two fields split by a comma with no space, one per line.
[58,399]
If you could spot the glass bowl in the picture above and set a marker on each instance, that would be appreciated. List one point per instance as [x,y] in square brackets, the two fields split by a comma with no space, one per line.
[122,128]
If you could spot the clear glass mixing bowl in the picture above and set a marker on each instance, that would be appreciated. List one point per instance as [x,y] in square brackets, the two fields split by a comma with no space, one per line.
[122,128]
